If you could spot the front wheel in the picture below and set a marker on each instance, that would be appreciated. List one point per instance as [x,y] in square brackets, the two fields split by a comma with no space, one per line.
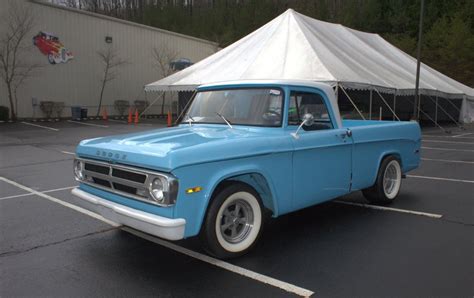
[233,222]
[388,183]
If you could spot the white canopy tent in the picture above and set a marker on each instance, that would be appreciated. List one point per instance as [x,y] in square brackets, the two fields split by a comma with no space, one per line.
[294,46]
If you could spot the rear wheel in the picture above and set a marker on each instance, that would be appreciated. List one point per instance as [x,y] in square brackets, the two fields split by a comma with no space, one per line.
[233,222]
[388,183]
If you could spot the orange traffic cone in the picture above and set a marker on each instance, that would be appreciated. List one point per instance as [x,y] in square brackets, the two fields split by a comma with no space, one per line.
[169,119]
[136,116]
[104,114]
[129,120]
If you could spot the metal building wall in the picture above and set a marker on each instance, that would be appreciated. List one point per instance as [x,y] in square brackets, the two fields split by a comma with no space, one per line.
[77,82]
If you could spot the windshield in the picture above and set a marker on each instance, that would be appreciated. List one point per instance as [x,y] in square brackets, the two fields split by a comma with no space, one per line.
[257,107]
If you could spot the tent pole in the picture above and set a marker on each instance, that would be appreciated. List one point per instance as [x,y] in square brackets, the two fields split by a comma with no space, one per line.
[146,109]
[146,100]
[185,107]
[443,110]
[428,116]
[394,104]
[385,102]
[370,105]
[416,114]
[420,97]
[452,104]
[352,102]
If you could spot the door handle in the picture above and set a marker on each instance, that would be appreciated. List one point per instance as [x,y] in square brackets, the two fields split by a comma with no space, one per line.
[347,133]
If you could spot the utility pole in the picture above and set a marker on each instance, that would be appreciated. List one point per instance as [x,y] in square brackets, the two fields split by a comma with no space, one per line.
[418,62]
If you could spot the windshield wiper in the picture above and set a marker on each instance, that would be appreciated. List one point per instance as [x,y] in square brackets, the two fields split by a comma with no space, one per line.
[190,120]
[223,118]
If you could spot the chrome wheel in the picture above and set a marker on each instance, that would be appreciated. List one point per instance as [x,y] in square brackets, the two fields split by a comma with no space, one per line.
[237,221]
[392,179]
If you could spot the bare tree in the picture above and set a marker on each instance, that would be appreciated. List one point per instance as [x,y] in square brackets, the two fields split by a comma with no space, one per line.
[163,56]
[14,46]
[111,62]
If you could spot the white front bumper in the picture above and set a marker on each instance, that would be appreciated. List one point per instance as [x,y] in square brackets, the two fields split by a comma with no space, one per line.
[167,228]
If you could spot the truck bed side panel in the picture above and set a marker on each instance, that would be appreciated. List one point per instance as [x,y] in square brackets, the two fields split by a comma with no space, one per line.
[373,140]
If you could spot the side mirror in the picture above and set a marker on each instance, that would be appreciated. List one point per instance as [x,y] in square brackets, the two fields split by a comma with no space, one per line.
[308,120]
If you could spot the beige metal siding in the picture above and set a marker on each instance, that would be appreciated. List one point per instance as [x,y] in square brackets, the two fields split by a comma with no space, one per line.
[77,82]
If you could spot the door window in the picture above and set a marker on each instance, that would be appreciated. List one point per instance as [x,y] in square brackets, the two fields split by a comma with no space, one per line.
[306,102]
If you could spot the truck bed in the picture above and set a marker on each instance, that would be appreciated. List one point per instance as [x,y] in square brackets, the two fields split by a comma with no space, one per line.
[375,139]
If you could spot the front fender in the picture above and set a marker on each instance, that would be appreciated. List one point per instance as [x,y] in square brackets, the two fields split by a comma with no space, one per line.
[193,207]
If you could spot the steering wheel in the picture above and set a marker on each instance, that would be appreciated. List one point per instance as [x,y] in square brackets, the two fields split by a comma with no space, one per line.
[271,116]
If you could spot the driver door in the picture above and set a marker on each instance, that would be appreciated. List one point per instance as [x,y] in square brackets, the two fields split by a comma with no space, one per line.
[322,152]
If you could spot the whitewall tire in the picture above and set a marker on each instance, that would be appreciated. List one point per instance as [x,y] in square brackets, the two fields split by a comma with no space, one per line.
[388,183]
[233,222]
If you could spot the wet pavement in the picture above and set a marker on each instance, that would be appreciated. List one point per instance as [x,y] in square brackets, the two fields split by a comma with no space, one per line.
[333,249]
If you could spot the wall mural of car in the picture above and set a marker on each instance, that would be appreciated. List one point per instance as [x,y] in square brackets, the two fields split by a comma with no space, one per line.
[49,45]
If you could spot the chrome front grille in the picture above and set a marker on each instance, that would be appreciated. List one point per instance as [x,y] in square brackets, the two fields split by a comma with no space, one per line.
[124,180]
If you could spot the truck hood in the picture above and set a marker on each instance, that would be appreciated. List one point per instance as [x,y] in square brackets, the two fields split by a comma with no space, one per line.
[171,148]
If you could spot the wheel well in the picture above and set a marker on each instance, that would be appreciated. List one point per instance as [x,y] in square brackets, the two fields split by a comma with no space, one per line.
[394,154]
[255,180]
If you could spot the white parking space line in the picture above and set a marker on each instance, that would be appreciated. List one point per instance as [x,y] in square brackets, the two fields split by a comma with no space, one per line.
[224,265]
[461,135]
[125,122]
[55,200]
[376,207]
[119,121]
[447,149]
[204,258]
[31,194]
[88,124]
[438,136]
[40,126]
[448,160]
[441,179]
[67,152]
[447,142]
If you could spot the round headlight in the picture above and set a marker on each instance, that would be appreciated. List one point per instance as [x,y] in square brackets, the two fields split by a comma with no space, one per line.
[156,189]
[78,170]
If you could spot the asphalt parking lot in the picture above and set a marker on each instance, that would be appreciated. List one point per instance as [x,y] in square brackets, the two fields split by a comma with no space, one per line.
[422,245]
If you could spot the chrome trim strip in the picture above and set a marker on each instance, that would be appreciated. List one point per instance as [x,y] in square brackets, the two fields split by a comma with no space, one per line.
[149,176]
[126,168]
[122,193]
[113,179]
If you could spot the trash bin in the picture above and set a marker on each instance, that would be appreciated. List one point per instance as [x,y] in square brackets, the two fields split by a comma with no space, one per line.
[84,113]
[76,113]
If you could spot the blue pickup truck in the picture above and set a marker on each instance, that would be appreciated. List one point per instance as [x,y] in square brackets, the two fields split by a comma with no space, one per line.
[239,151]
